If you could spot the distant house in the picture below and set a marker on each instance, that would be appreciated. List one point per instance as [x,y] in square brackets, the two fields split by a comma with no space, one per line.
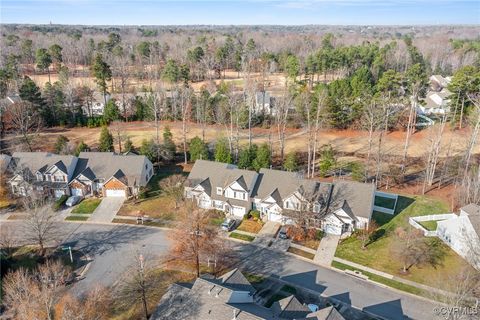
[91,173]
[278,195]
[436,103]
[96,106]
[439,82]
[263,103]
[229,297]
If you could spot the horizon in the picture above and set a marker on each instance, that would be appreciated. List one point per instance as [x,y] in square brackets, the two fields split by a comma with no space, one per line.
[241,13]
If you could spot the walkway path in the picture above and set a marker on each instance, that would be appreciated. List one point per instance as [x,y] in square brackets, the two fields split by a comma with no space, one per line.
[107,209]
[326,250]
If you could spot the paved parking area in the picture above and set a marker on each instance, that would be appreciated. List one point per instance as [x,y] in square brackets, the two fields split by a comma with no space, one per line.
[107,209]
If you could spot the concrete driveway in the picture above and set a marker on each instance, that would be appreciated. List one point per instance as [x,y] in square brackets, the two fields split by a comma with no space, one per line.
[326,250]
[107,209]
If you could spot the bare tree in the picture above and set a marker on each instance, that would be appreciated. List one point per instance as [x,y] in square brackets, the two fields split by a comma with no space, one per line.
[172,186]
[39,226]
[282,108]
[434,153]
[117,128]
[372,120]
[365,234]
[25,120]
[95,306]
[185,107]
[195,239]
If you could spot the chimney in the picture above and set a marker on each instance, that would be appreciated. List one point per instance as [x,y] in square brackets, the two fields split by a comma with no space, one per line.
[234,314]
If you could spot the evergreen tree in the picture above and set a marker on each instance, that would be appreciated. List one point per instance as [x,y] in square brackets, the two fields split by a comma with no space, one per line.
[81,147]
[171,71]
[60,144]
[30,92]
[43,60]
[102,73]
[222,151]
[168,144]
[106,140]
[128,146]
[291,162]
[198,149]
[262,159]
[111,112]
[148,149]
[246,157]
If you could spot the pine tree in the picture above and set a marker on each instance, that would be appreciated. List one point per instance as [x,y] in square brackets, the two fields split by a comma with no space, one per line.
[198,149]
[106,140]
[262,160]
[222,151]
[82,146]
[60,144]
[291,163]
[128,146]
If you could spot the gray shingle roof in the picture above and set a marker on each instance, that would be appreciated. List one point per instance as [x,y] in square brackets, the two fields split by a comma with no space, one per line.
[281,184]
[290,308]
[104,165]
[212,174]
[40,161]
[329,313]
[237,281]
[354,197]
[473,211]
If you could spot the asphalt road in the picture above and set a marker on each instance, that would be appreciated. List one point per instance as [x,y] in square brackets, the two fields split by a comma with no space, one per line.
[114,249]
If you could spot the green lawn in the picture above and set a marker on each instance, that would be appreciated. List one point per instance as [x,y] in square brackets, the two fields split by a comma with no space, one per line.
[379,279]
[87,206]
[429,225]
[241,236]
[381,218]
[77,218]
[378,254]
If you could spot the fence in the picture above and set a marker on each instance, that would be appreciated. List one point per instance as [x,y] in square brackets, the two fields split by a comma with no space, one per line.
[433,217]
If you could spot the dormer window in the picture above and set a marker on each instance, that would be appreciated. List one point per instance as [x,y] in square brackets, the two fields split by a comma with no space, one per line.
[219,191]
[39,177]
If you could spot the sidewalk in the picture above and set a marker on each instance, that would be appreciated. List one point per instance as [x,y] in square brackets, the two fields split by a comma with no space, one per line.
[326,250]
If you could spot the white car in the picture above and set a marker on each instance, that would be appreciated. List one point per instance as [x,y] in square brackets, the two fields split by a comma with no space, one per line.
[73,200]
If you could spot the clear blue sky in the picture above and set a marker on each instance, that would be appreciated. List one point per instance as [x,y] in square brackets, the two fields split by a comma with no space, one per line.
[226,12]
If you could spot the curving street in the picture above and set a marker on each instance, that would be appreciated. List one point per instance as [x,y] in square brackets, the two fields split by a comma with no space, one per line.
[113,249]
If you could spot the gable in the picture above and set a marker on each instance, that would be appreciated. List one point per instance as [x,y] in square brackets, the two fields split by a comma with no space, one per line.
[114,183]
[235,186]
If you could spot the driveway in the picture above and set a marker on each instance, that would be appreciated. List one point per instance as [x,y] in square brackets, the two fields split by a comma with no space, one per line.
[107,209]
[326,250]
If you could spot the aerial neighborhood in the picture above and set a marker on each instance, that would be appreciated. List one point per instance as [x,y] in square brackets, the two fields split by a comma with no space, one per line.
[239,160]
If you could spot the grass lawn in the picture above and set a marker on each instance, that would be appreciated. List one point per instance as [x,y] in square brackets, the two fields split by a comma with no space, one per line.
[87,206]
[381,218]
[301,253]
[429,225]
[240,236]
[384,202]
[76,218]
[378,254]
[250,226]
[309,243]
[379,279]
[156,207]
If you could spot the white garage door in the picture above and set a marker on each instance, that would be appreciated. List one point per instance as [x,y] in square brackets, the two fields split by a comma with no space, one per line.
[204,203]
[59,193]
[115,193]
[77,192]
[275,217]
[333,229]
[238,211]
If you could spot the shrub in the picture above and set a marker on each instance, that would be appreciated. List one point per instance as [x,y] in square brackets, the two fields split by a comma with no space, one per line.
[255,214]
[59,203]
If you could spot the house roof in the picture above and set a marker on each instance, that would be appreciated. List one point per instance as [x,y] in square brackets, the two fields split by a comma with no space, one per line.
[282,184]
[329,313]
[210,174]
[290,308]
[237,281]
[473,211]
[41,161]
[104,165]
[353,197]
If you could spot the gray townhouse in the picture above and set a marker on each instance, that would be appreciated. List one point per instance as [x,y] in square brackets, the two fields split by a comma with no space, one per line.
[103,174]
[341,205]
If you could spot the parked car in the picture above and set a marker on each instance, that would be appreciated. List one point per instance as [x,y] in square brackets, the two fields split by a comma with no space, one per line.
[282,234]
[228,224]
[73,200]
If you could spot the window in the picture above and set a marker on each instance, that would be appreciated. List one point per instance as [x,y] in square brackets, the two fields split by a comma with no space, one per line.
[219,191]
[39,177]
[58,178]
